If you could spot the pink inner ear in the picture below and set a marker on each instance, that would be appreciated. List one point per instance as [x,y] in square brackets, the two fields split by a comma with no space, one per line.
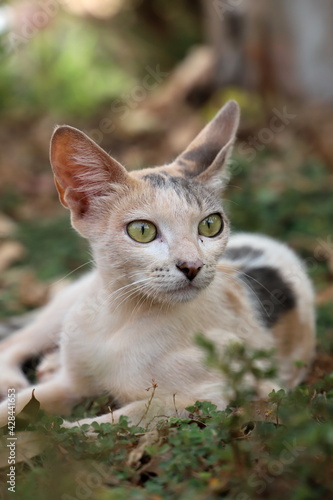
[69,186]
[77,201]
[82,169]
[74,200]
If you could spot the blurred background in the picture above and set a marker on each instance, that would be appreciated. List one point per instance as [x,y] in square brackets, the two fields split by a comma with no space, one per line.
[142,77]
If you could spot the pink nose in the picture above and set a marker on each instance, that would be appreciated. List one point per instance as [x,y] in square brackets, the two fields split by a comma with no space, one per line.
[190,269]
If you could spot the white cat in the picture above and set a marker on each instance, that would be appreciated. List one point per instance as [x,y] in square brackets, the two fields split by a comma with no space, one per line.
[165,270]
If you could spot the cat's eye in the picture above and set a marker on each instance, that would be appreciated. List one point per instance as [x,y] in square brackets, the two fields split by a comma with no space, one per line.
[211,226]
[142,231]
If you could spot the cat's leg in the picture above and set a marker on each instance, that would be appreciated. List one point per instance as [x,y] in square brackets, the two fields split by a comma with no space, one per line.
[148,411]
[24,344]
[41,335]
[144,413]
[56,396]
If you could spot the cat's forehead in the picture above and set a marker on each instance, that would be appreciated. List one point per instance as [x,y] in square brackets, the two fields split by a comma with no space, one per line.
[183,191]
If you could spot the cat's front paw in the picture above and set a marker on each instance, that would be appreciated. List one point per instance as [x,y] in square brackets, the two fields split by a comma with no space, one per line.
[88,433]
[49,365]
[11,378]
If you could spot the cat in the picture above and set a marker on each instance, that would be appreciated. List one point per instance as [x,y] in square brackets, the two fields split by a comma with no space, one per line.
[166,268]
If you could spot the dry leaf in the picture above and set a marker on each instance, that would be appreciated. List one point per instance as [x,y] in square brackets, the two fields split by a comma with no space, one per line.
[148,439]
[10,252]
[325,296]
[27,445]
[322,364]
[32,293]
[28,414]
[141,461]
[7,226]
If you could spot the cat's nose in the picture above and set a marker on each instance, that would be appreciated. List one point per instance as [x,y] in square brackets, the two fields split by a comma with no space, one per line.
[190,269]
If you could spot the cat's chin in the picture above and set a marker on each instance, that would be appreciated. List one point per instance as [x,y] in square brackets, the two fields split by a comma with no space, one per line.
[184,294]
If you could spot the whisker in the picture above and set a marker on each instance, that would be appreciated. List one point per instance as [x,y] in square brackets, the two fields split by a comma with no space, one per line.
[129,294]
[126,293]
[250,277]
[232,279]
[142,300]
[71,272]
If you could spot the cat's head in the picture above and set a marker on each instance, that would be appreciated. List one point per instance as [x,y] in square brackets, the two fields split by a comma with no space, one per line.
[158,232]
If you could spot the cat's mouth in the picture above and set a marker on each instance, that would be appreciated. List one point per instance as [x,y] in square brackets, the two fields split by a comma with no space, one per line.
[184,292]
[178,292]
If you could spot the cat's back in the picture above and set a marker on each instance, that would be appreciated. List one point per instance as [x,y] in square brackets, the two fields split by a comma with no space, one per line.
[274,280]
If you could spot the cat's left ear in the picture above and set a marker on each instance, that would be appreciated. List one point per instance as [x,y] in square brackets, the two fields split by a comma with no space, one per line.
[206,157]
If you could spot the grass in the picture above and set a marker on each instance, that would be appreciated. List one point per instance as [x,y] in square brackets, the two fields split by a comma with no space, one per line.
[281,447]
[53,247]
[55,62]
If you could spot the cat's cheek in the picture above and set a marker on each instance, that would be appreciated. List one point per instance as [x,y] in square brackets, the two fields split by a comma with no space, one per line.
[148,256]
[212,250]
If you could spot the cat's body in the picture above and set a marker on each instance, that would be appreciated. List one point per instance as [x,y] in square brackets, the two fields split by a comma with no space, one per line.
[133,321]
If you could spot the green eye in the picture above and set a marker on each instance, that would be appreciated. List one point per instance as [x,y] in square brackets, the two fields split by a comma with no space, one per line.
[211,226]
[142,231]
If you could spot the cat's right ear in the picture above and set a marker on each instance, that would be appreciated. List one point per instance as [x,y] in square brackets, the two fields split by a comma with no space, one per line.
[82,170]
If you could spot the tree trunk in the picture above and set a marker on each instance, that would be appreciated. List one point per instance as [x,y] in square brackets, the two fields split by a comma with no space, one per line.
[272,45]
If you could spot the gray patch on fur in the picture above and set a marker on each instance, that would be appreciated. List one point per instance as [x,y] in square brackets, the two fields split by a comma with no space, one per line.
[156,180]
[272,294]
[191,191]
[243,252]
[182,163]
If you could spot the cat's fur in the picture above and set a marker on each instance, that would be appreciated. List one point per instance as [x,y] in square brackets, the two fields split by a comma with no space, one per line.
[134,319]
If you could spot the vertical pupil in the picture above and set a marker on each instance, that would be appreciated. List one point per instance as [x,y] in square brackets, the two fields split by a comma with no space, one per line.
[142,229]
[208,223]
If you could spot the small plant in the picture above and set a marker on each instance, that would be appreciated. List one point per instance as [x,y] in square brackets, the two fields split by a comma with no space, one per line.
[253,449]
